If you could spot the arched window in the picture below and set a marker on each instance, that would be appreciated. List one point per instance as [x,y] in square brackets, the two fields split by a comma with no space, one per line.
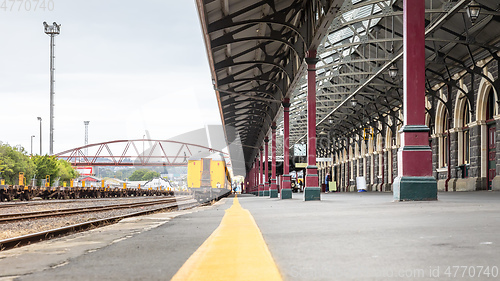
[444,141]
[466,134]
[490,106]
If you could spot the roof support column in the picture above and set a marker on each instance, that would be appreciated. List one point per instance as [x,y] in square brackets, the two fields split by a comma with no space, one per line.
[286,191]
[311,190]
[255,188]
[415,181]
[273,193]
[261,176]
[266,165]
[252,179]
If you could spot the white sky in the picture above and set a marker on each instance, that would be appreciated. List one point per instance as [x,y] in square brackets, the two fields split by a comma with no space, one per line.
[126,66]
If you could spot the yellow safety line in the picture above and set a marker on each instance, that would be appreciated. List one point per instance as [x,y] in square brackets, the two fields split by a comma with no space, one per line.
[236,250]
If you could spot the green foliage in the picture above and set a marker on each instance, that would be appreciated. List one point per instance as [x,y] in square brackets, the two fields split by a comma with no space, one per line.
[150,175]
[143,175]
[46,165]
[14,160]
[138,174]
[66,172]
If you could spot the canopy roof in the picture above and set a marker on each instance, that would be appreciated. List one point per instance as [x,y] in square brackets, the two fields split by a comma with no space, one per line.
[256,51]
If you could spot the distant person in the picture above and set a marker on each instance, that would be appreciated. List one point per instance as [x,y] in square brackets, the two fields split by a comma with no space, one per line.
[327,180]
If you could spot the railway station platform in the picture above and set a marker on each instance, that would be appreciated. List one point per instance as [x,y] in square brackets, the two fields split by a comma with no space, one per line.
[345,236]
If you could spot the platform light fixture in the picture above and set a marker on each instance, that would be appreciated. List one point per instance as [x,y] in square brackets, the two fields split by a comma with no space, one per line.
[393,71]
[473,10]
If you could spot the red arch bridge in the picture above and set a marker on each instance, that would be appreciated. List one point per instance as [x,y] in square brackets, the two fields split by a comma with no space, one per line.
[139,152]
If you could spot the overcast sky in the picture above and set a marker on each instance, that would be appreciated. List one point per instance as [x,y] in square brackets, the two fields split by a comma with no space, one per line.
[126,66]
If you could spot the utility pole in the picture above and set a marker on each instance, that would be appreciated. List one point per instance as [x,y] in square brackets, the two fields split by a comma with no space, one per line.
[52,31]
[86,123]
[40,119]
[32,144]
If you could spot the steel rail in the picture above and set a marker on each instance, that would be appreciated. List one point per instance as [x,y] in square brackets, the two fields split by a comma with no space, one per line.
[8,218]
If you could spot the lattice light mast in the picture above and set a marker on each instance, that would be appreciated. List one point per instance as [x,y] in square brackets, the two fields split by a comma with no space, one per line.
[52,31]
[86,123]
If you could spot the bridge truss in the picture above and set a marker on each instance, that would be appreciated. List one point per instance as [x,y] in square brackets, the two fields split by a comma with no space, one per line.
[139,152]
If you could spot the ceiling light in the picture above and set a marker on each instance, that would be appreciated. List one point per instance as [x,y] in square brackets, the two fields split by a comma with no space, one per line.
[393,71]
[473,10]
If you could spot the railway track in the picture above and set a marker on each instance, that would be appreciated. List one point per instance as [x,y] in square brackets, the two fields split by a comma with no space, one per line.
[8,218]
[64,201]
[170,203]
[47,202]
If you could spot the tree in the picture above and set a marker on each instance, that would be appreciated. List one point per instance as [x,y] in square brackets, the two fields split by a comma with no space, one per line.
[150,175]
[14,160]
[119,175]
[66,172]
[138,174]
[46,165]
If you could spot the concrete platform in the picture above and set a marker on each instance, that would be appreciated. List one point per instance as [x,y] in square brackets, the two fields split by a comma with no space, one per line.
[345,236]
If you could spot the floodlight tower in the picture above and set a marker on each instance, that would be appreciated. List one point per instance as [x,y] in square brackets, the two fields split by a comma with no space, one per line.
[52,31]
[86,123]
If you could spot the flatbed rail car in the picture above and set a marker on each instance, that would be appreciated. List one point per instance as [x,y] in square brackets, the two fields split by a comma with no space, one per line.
[208,178]
[20,192]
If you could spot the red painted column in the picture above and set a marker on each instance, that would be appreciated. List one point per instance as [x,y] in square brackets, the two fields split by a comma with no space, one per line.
[415,180]
[252,178]
[286,191]
[273,192]
[261,182]
[312,190]
[255,177]
[266,165]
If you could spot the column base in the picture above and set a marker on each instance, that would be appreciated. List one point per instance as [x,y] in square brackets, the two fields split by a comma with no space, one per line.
[495,184]
[286,193]
[312,193]
[415,189]
[266,193]
[273,193]
[261,193]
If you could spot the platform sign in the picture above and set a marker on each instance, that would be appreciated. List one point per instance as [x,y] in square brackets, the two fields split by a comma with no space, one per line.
[300,165]
[85,171]
[368,133]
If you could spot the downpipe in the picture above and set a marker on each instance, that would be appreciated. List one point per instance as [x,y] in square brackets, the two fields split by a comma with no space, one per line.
[448,178]
[383,171]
